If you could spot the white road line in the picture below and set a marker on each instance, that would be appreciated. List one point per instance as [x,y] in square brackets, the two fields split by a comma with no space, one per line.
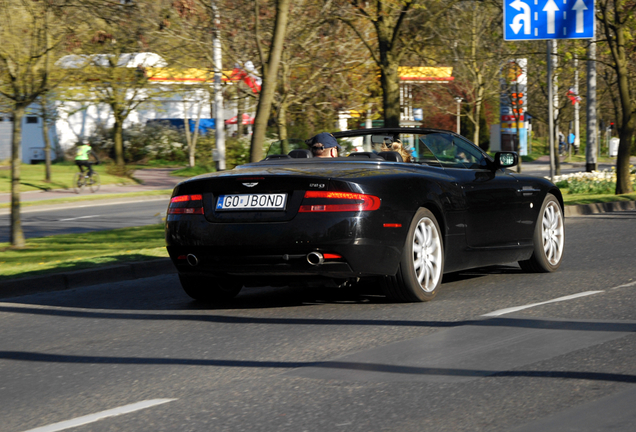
[96,203]
[76,218]
[560,299]
[625,286]
[100,415]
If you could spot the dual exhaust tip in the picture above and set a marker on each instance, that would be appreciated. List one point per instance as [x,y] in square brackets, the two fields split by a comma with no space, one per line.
[313,258]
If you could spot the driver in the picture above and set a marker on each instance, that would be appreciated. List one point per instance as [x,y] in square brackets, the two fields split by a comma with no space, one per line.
[324,145]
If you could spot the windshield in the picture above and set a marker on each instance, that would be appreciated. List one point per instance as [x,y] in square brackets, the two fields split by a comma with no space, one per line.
[437,148]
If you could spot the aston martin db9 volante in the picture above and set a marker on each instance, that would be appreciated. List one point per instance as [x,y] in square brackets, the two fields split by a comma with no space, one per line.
[399,207]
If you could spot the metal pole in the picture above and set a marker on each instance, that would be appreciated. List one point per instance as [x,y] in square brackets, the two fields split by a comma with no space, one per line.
[577,106]
[550,111]
[590,148]
[219,120]
[459,101]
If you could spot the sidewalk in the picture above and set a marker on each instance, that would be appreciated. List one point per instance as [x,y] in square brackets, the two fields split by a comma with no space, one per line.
[151,179]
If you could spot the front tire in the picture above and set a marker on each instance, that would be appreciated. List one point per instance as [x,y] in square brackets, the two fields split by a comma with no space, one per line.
[210,289]
[421,268]
[94,182]
[549,239]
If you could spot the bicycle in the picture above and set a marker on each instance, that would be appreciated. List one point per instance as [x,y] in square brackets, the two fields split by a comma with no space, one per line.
[83,179]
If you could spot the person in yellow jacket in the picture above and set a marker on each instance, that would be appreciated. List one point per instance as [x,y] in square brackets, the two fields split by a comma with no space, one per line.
[82,158]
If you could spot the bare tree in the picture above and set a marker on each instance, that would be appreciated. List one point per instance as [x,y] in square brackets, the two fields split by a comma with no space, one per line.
[270,76]
[618,23]
[30,31]
[387,48]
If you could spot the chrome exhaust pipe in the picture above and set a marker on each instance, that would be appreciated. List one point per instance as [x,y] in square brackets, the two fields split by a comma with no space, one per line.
[315,258]
[192,260]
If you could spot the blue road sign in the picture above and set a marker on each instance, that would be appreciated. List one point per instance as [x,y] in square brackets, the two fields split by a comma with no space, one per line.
[548,19]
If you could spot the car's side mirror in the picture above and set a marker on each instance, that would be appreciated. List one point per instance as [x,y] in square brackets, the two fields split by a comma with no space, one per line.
[506,159]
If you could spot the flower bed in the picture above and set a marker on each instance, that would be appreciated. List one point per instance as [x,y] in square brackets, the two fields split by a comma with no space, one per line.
[595,182]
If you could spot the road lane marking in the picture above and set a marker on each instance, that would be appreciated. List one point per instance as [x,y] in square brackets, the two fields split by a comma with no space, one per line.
[55,207]
[559,299]
[76,218]
[625,285]
[91,418]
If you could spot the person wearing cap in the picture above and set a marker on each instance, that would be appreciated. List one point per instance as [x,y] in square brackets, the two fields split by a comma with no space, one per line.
[324,145]
[84,151]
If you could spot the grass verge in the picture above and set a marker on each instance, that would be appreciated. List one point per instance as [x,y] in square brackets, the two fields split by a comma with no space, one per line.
[32,177]
[577,199]
[70,252]
[192,171]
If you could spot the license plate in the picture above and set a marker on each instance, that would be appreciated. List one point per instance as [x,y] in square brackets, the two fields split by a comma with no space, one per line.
[252,202]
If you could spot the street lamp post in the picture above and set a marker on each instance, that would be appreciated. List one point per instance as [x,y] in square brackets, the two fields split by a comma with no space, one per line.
[459,104]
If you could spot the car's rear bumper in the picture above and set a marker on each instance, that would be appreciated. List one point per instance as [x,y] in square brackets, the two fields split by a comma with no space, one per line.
[280,249]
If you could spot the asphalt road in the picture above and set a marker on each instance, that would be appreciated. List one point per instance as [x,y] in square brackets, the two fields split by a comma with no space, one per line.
[141,356]
[41,221]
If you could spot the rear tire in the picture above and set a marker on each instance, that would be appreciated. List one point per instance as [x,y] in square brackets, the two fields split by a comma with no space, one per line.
[78,182]
[210,289]
[421,268]
[549,239]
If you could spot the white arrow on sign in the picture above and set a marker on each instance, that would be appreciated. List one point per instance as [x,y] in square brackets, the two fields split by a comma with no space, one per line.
[551,9]
[579,7]
[524,16]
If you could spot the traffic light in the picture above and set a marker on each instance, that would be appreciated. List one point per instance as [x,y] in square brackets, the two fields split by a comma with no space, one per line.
[611,126]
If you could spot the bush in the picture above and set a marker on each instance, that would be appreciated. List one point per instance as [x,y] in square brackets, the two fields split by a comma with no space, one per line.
[596,182]
[142,143]
[160,143]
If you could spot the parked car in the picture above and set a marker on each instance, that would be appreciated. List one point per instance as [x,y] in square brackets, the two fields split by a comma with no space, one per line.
[294,219]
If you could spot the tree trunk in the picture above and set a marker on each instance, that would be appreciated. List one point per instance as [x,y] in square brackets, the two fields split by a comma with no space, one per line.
[47,150]
[628,122]
[269,81]
[623,180]
[239,116]
[281,123]
[118,138]
[389,79]
[186,128]
[17,236]
[195,136]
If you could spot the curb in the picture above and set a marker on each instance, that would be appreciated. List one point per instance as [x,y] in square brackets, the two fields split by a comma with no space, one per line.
[588,209]
[81,278]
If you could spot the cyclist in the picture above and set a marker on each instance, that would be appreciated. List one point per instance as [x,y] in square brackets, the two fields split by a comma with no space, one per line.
[82,159]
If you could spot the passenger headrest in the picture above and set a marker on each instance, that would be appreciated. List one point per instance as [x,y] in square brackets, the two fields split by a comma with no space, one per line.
[391,156]
[365,155]
[300,154]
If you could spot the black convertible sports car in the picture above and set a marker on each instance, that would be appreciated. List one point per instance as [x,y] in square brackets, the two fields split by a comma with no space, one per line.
[294,219]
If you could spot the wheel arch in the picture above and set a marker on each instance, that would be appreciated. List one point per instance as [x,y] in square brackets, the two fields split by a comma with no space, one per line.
[559,196]
[439,215]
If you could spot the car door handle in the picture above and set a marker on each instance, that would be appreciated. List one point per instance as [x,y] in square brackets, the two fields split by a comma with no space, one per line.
[526,190]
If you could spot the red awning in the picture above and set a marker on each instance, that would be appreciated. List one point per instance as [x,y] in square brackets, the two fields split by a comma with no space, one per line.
[246,120]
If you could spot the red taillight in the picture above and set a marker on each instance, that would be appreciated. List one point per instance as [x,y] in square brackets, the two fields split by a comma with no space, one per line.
[186,204]
[338,202]
[185,210]
[184,198]
[331,256]
[392,225]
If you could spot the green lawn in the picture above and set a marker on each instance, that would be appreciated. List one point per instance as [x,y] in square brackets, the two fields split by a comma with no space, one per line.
[69,252]
[32,177]
[575,199]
